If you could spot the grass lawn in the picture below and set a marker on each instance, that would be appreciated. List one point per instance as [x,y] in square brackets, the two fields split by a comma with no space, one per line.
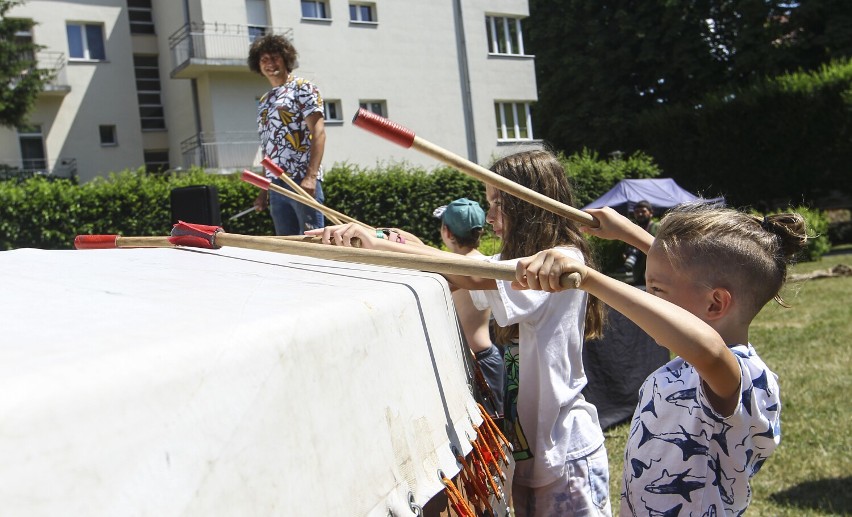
[809,346]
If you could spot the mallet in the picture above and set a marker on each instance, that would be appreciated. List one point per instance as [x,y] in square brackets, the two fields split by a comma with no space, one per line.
[266,184]
[403,136]
[103,242]
[279,172]
[204,236]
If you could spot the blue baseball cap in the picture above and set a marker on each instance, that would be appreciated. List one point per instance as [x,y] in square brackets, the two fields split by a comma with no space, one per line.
[461,216]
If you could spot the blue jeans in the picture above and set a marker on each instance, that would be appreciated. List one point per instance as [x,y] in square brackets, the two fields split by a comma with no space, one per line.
[291,217]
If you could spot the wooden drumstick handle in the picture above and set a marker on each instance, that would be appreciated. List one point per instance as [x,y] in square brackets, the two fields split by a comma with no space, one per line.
[279,172]
[102,242]
[404,137]
[449,264]
[266,184]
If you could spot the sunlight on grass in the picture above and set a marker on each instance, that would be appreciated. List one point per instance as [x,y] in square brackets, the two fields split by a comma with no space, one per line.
[808,346]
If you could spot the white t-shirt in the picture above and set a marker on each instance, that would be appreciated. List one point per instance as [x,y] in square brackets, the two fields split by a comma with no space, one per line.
[555,421]
[683,455]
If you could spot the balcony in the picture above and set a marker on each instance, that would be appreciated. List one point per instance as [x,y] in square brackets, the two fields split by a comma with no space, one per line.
[201,47]
[29,168]
[220,152]
[54,62]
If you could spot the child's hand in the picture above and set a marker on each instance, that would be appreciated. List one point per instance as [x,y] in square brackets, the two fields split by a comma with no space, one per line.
[613,226]
[344,234]
[543,271]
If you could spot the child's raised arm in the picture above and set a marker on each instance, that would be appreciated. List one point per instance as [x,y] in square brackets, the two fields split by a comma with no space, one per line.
[670,325]
[614,226]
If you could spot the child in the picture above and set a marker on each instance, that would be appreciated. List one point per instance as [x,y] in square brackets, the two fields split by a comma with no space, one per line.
[462,224]
[708,419]
[561,463]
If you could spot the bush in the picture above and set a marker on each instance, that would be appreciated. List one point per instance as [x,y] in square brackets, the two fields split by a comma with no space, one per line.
[591,177]
[47,214]
[818,242]
[395,195]
[759,144]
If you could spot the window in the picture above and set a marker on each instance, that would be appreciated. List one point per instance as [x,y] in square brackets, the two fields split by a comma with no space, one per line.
[108,138]
[331,111]
[24,37]
[141,16]
[86,41]
[315,9]
[156,160]
[255,32]
[377,107]
[504,35]
[33,157]
[257,18]
[362,13]
[514,121]
[148,92]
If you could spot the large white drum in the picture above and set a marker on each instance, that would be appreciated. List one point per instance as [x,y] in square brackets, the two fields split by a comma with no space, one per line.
[166,382]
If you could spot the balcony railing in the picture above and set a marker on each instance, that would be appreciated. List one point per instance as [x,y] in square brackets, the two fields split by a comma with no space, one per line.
[54,62]
[220,152]
[29,168]
[199,46]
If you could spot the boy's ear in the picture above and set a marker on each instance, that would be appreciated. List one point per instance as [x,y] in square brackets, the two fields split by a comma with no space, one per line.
[719,303]
[445,232]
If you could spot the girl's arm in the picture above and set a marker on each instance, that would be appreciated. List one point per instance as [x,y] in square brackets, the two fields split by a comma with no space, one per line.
[670,325]
[614,226]
[343,234]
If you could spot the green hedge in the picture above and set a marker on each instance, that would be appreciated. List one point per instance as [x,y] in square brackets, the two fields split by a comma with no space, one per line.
[399,196]
[48,214]
[782,141]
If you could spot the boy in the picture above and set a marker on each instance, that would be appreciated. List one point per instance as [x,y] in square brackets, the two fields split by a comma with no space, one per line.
[708,419]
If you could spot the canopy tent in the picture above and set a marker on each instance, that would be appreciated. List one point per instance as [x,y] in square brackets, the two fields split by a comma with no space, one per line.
[662,193]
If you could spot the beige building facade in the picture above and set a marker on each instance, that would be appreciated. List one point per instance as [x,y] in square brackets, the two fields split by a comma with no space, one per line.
[165,84]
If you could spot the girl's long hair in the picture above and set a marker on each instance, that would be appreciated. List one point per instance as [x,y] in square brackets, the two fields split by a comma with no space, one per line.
[528,229]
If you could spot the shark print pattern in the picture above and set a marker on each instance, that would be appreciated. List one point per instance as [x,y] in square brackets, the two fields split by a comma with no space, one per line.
[284,133]
[683,458]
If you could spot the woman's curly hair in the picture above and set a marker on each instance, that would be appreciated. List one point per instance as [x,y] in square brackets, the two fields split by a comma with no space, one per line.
[272,44]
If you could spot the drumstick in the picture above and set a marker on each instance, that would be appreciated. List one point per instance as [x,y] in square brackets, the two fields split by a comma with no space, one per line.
[403,136]
[204,236]
[266,184]
[103,242]
[279,172]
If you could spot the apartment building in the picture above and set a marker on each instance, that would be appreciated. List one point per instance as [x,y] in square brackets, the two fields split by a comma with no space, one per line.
[165,84]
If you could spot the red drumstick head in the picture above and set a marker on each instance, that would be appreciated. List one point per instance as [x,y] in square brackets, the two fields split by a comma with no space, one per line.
[255,179]
[194,235]
[272,166]
[384,128]
[95,242]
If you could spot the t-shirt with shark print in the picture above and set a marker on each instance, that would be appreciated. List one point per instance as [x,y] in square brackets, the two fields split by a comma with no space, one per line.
[284,133]
[683,459]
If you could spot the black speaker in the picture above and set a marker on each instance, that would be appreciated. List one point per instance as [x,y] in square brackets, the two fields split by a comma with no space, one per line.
[196,204]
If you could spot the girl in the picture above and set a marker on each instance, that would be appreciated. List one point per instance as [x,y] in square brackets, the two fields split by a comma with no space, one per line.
[708,419]
[561,463]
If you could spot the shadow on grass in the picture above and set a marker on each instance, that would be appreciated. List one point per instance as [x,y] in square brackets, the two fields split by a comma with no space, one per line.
[829,495]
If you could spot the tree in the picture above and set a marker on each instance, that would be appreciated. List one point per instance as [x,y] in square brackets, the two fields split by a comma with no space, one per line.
[20,79]
[602,63]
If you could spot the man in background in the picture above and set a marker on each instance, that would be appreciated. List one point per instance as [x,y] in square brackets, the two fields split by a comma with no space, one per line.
[635,260]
